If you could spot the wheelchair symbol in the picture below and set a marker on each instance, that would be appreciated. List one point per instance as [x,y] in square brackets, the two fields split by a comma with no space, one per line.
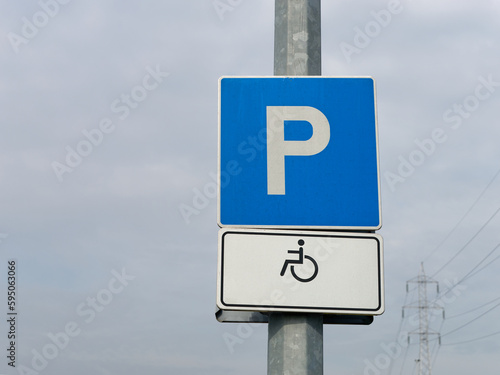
[300,251]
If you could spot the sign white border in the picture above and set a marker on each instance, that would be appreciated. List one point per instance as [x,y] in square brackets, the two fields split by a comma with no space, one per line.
[363,228]
[289,308]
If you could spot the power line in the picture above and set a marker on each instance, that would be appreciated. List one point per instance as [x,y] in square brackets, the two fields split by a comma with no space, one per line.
[463,217]
[404,359]
[486,265]
[472,340]
[436,354]
[391,366]
[471,272]
[468,242]
[477,265]
[474,309]
[471,321]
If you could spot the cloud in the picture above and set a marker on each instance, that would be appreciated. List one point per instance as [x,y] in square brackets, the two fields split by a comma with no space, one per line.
[119,207]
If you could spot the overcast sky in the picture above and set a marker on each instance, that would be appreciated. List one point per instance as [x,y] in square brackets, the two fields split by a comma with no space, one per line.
[109,126]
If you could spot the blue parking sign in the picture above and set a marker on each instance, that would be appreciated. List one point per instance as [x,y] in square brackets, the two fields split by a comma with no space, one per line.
[298,152]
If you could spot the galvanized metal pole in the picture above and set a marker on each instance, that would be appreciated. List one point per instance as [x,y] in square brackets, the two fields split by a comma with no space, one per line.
[295,341]
[297,38]
[295,344]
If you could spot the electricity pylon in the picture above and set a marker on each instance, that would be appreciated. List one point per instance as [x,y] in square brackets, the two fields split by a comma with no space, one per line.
[424,308]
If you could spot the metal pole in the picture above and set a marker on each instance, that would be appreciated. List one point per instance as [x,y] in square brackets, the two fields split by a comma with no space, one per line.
[295,341]
[297,38]
[295,344]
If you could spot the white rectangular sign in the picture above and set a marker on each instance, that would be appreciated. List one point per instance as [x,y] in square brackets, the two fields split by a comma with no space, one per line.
[300,271]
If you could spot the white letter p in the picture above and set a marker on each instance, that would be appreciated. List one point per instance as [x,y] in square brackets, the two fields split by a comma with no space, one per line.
[278,148]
